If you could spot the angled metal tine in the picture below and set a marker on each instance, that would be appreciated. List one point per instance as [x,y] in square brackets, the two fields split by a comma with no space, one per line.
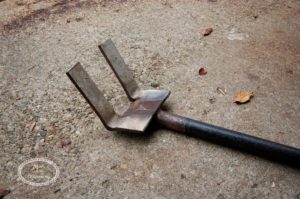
[137,116]
[92,94]
[123,73]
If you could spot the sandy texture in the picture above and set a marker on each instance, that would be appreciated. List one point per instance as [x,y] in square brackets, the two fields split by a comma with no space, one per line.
[254,47]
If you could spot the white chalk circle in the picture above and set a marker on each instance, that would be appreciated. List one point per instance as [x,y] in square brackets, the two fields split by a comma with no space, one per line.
[38,184]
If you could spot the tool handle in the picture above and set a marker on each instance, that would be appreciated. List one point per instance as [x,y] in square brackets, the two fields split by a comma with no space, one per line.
[233,139]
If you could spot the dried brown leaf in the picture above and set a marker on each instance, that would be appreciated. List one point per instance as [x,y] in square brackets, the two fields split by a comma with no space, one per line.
[32,125]
[202,71]
[243,97]
[207,31]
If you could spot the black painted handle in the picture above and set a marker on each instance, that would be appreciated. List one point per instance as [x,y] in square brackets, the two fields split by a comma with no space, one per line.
[233,139]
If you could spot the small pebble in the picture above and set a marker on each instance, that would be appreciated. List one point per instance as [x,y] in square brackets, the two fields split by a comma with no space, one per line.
[50,137]
[189,89]
[108,96]
[155,84]
[114,166]
[77,133]
[221,196]
[212,100]
[105,183]
[254,185]
[290,71]
[273,184]
[182,176]
[57,190]
[78,19]
[43,133]
[205,112]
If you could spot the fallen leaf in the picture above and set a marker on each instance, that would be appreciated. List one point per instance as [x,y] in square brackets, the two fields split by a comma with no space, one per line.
[32,125]
[243,97]
[207,31]
[3,192]
[202,71]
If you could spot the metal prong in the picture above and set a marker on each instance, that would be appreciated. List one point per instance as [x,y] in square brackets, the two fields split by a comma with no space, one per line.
[123,73]
[137,116]
[145,102]
[92,94]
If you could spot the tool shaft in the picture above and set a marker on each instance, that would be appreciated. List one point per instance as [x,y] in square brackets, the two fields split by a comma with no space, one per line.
[233,139]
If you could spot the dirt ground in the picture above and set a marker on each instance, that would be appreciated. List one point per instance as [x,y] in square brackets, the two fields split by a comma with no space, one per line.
[255,46]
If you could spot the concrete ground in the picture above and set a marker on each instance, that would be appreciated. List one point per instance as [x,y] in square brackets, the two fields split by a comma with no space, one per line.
[255,46]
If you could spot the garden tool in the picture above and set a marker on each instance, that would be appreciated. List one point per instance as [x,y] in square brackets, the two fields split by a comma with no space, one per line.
[146,106]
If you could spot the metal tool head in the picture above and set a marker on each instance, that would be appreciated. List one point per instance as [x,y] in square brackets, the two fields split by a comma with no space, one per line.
[145,103]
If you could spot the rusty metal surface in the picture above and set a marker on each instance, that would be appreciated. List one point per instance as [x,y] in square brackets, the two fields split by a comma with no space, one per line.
[140,112]
[171,121]
[123,73]
[92,94]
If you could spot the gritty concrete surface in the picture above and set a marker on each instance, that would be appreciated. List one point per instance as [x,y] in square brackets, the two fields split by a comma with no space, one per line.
[254,47]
